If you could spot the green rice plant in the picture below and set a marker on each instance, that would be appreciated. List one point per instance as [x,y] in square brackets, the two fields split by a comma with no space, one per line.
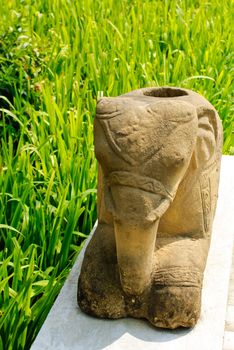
[56,58]
[44,199]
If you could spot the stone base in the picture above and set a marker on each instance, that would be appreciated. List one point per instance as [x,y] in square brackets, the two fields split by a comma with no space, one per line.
[66,327]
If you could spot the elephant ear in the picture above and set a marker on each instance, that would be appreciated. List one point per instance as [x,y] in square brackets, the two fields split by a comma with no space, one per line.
[208,137]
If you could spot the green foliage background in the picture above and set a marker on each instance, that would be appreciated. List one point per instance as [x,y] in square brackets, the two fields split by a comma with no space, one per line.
[56,58]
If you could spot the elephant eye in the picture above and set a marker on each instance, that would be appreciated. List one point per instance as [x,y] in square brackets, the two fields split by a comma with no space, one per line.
[175,159]
[179,160]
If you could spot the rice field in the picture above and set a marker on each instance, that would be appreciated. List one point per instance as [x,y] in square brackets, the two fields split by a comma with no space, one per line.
[56,58]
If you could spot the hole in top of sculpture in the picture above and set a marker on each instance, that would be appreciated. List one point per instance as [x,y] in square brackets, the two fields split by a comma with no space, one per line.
[165,92]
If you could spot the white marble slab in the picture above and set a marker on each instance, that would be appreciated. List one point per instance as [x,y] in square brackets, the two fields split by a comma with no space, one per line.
[230,318]
[67,328]
[228,343]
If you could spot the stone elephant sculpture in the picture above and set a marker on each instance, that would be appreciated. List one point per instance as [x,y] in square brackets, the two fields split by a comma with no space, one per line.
[159,152]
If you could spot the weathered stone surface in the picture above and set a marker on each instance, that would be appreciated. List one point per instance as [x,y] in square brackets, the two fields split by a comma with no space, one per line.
[159,152]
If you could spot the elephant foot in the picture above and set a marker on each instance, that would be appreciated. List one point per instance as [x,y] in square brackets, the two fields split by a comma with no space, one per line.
[175,296]
[99,292]
[95,303]
[100,298]
[173,306]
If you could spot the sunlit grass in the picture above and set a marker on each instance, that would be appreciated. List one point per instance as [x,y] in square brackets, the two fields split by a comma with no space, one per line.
[56,58]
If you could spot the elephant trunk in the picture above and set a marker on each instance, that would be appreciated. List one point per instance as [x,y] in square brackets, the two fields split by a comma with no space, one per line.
[135,248]
[136,215]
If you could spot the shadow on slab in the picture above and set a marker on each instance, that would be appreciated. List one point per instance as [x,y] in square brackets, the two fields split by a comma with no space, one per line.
[97,334]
